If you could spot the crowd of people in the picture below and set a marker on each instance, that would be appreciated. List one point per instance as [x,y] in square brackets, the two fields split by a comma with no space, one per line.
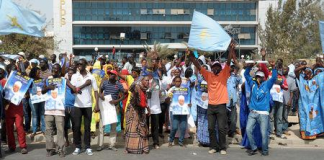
[218,99]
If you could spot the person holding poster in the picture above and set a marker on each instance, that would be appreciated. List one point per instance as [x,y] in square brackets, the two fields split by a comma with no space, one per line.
[37,101]
[14,90]
[179,109]
[114,89]
[54,112]
[218,97]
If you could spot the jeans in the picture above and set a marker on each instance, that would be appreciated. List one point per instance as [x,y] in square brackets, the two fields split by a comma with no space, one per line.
[38,110]
[69,111]
[162,117]
[277,113]
[178,120]
[154,127]
[232,119]
[285,117]
[217,113]
[53,122]
[263,120]
[27,114]
[77,118]
[295,101]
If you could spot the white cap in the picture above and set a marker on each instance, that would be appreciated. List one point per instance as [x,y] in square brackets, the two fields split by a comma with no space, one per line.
[22,54]
[259,73]
[41,56]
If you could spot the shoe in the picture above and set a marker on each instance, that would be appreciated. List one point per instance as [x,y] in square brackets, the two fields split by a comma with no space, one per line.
[24,151]
[212,151]
[100,148]
[77,151]
[182,145]
[252,152]
[113,148]
[50,153]
[89,152]
[223,152]
[10,150]
[282,137]
[156,146]
[32,136]
[287,133]
[161,136]
[170,144]
[62,154]
[265,154]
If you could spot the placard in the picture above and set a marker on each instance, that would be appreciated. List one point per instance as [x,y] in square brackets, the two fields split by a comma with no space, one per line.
[107,111]
[36,95]
[56,97]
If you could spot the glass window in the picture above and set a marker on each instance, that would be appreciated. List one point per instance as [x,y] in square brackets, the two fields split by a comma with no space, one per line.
[143,11]
[210,12]
[186,11]
[174,11]
[158,11]
[252,12]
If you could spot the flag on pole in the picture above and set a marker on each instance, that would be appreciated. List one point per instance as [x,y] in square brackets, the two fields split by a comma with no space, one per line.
[321,28]
[16,19]
[207,35]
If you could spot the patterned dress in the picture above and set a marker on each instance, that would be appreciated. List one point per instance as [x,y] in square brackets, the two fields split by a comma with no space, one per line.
[136,131]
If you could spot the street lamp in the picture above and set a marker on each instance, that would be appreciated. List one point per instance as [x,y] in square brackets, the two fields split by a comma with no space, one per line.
[96,50]
[122,36]
[1,42]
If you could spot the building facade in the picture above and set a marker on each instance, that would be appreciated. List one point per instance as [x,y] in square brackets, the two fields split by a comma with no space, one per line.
[82,25]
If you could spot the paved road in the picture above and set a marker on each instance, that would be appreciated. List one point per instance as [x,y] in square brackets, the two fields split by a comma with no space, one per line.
[37,152]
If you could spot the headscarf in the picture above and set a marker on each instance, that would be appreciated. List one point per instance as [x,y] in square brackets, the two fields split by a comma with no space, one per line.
[106,69]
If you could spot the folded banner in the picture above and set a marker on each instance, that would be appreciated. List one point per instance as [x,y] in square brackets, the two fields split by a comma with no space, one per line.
[16,19]
[107,111]
[321,28]
[56,97]
[207,35]
[36,95]
[16,87]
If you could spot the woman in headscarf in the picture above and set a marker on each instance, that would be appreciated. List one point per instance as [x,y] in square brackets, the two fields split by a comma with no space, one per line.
[136,131]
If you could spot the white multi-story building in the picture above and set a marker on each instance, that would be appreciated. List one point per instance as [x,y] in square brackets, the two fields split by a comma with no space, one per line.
[82,25]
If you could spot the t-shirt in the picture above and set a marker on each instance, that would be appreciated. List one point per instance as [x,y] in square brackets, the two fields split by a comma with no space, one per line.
[217,85]
[291,81]
[128,66]
[69,97]
[112,89]
[84,99]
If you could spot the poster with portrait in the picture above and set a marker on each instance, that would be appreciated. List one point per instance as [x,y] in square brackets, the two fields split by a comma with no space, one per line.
[202,95]
[16,87]
[180,101]
[56,97]
[36,95]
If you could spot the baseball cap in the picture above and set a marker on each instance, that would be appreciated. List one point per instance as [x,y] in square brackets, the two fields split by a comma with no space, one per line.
[216,63]
[259,73]
[113,72]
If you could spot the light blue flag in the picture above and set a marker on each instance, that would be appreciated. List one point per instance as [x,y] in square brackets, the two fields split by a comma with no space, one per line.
[207,35]
[16,19]
[321,26]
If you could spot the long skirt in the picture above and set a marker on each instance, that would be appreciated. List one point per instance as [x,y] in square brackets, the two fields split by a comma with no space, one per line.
[202,130]
[136,131]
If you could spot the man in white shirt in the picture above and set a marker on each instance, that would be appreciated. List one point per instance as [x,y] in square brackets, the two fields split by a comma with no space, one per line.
[84,82]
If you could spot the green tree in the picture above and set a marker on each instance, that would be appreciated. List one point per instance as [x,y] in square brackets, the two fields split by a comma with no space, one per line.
[291,31]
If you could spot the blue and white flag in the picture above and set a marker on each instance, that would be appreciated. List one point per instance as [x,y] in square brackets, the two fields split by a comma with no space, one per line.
[207,35]
[16,19]
[321,28]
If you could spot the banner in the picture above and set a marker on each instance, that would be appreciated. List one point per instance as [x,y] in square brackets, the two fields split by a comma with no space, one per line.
[107,111]
[207,35]
[56,97]
[321,28]
[36,95]
[202,95]
[180,101]
[16,87]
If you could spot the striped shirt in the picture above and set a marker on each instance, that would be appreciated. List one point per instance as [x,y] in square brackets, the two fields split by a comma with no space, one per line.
[112,89]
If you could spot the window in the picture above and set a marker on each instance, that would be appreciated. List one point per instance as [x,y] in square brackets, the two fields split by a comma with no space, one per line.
[210,12]
[187,11]
[174,11]
[143,35]
[180,11]
[253,12]
[167,35]
[158,11]
[143,11]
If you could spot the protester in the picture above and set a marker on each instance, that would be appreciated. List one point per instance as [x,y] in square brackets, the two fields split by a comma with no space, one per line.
[113,88]
[259,106]
[136,130]
[218,98]
[83,81]
[69,106]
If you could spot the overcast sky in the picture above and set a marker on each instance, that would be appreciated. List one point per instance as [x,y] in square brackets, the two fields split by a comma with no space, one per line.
[45,7]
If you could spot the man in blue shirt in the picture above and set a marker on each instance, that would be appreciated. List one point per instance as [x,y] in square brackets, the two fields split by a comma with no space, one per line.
[259,106]
[69,105]
[232,88]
